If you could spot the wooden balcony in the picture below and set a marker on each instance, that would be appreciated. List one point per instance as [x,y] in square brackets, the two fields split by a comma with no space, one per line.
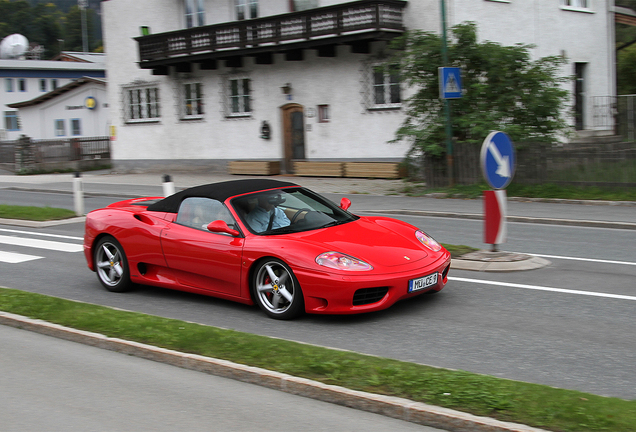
[356,23]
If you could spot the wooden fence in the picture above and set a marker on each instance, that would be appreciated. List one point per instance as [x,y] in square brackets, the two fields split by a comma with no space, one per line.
[611,165]
[26,155]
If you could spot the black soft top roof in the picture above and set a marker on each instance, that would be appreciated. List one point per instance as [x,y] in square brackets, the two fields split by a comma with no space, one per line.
[219,191]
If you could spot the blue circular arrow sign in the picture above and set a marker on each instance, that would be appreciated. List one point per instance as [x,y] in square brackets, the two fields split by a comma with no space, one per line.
[498,160]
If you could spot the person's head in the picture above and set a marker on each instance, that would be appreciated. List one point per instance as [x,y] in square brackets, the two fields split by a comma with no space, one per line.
[269,200]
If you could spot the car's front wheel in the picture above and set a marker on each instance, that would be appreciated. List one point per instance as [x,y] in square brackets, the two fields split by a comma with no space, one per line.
[277,290]
[111,265]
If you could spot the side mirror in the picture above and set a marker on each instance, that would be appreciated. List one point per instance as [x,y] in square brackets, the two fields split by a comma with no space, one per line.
[219,226]
[345,203]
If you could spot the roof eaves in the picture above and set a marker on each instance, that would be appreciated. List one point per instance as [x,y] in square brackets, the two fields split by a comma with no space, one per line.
[61,90]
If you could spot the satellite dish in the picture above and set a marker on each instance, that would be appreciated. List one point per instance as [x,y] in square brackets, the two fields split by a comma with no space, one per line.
[13,46]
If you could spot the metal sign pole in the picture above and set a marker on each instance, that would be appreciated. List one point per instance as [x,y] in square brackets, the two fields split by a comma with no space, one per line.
[447,112]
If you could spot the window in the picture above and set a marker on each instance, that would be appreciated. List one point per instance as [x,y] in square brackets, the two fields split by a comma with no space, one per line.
[8,84]
[198,212]
[11,121]
[301,5]
[54,84]
[578,4]
[141,104]
[323,114]
[384,87]
[22,85]
[42,85]
[239,97]
[76,128]
[246,9]
[193,100]
[60,129]
[194,13]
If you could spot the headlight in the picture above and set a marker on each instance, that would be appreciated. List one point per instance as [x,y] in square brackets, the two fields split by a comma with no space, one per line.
[428,241]
[340,261]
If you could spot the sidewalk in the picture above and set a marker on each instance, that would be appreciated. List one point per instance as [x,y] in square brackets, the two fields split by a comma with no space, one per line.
[388,406]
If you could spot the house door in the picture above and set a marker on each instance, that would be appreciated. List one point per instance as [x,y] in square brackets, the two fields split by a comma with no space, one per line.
[293,135]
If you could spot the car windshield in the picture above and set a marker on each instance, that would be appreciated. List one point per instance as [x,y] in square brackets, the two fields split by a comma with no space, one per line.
[288,210]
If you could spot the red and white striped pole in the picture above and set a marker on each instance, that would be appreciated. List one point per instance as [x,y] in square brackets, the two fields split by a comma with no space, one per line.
[495,213]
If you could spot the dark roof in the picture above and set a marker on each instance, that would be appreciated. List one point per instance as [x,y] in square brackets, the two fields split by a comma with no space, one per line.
[219,191]
[60,90]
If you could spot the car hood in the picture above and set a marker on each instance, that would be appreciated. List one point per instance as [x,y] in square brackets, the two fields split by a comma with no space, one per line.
[381,242]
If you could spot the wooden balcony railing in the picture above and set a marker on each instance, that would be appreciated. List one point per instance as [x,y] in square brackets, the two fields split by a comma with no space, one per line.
[325,23]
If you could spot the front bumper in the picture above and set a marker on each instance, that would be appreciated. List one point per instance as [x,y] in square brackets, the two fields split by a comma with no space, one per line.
[329,293]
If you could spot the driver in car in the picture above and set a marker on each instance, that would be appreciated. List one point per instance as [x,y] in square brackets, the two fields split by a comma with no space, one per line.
[266,215]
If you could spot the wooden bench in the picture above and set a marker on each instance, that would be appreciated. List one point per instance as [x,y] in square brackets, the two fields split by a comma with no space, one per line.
[318,169]
[254,167]
[387,170]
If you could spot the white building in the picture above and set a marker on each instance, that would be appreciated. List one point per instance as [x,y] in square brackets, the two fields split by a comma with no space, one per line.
[77,109]
[24,80]
[207,75]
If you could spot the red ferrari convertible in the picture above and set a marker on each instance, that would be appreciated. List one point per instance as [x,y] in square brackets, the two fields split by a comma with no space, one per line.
[264,241]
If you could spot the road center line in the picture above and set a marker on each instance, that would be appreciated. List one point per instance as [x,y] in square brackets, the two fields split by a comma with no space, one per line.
[584,259]
[542,288]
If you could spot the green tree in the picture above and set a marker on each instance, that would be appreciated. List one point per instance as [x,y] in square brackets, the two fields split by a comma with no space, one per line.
[73,35]
[627,70]
[15,17]
[47,22]
[626,56]
[504,90]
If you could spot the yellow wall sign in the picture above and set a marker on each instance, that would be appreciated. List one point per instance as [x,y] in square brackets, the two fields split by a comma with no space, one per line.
[90,102]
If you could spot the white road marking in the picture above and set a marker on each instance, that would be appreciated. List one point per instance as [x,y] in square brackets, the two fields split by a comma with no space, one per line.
[542,288]
[40,234]
[584,259]
[41,244]
[16,258]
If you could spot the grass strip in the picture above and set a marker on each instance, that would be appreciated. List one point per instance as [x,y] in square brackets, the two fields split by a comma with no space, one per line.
[457,251]
[532,404]
[34,213]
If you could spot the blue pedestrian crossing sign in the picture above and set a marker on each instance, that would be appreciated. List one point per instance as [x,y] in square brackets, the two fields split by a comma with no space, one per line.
[498,160]
[450,83]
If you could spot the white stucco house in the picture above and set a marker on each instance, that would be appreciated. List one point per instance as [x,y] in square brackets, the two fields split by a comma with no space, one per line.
[77,109]
[25,80]
[204,82]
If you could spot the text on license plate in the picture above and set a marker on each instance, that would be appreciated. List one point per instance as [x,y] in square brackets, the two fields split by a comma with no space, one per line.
[423,282]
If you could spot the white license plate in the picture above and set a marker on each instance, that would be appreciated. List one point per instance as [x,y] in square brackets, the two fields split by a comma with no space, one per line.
[423,282]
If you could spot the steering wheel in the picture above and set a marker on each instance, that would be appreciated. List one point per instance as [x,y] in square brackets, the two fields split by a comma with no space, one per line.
[293,219]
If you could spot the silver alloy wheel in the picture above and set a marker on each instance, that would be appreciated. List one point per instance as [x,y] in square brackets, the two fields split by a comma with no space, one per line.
[110,264]
[275,287]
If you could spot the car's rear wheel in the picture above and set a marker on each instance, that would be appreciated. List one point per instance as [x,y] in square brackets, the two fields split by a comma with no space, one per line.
[111,265]
[277,290]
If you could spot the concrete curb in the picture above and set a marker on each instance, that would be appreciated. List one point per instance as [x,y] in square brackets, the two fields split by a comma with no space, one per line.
[43,224]
[574,201]
[443,195]
[523,219]
[531,263]
[389,406]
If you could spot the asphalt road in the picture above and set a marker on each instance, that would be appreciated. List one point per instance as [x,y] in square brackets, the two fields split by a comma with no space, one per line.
[51,384]
[526,329]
